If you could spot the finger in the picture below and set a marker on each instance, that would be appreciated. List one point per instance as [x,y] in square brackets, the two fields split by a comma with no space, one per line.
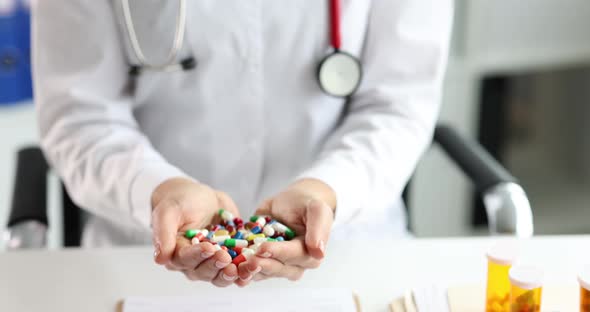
[244,276]
[227,203]
[209,268]
[319,218]
[166,219]
[274,268]
[287,252]
[226,276]
[188,257]
[264,208]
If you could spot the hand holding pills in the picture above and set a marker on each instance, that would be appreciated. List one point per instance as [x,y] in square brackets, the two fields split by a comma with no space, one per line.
[307,207]
[181,204]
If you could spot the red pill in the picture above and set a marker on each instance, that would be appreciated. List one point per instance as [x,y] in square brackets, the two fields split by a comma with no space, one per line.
[200,236]
[238,249]
[215,228]
[251,225]
[268,219]
[238,221]
[239,259]
[230,229]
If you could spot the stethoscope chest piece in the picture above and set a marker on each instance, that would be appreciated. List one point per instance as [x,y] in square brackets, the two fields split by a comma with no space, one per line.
[339,74]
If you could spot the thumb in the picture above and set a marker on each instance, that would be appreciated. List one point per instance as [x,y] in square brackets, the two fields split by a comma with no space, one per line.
[264,208]
[227,203]
[319,218]
[166,219]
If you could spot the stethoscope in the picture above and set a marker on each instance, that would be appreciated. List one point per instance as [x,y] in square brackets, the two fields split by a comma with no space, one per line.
[338,74]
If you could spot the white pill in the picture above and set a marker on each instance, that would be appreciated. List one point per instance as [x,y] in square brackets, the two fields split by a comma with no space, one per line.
[268,231]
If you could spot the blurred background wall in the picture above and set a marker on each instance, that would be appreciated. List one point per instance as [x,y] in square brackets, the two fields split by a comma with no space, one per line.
[518,81]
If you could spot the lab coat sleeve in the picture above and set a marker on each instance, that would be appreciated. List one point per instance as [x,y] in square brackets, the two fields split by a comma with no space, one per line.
[87,128]
[369,158]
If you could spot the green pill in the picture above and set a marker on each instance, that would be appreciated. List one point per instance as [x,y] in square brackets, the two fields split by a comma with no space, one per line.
[230,243]
[253,218]
[289,233]
[270,239]
[190,233]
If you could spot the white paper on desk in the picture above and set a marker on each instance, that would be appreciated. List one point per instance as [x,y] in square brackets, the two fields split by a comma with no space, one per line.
[243,300]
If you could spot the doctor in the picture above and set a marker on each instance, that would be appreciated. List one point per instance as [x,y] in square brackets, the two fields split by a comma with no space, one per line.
[157,113]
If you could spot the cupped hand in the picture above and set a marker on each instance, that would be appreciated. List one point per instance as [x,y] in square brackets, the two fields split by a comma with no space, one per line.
[307,207]
[181,204]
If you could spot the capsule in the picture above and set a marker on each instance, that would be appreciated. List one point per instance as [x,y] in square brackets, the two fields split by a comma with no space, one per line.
[190,233]
[235,243]
[232,253]
[259,240]
[268,230]
[252,237]
[220,239]
[279,227]
[289,233]
[221,233]
[257,229]
[280,239]
[238,249]
[250,225]
[260,220]
[195,241]
[243,257]
[226,215]
[239,235]
[199,237]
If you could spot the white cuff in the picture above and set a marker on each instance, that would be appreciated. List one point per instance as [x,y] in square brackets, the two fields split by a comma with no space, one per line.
[144,184]
[350,193]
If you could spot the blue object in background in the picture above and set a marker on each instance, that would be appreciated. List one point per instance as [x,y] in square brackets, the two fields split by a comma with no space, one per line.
[15,65]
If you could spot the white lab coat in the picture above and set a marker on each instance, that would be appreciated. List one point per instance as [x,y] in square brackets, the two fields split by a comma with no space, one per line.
[250,119]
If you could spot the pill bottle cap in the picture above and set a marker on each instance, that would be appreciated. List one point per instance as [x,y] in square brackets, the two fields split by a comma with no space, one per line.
[526,277]
[584,277]
[503,253]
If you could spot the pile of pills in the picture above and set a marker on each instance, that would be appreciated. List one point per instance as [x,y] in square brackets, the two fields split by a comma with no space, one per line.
[240,240]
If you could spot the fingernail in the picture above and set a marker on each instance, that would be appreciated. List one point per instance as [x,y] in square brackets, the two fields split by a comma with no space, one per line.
[321,246]
[247,278]
[258,269]
[265,255]
[220,265]
[157,250]
[206,255]
[228,278]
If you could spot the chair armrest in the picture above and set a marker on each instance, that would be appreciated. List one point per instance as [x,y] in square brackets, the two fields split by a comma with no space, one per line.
[28,222]
[25,235]
[507,206]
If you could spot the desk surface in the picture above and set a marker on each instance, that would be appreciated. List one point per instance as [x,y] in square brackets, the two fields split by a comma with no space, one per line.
[378,271]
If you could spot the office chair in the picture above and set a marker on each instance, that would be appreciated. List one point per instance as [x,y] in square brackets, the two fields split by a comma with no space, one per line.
[506,203]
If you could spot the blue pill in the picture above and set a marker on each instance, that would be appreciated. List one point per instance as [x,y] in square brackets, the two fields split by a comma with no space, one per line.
[231,223]
[256,229]
[232,253]
[280,239]
[239,235]
[210,235]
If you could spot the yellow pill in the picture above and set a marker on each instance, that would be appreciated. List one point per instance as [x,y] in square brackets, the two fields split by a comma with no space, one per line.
[251,237]
[221,233]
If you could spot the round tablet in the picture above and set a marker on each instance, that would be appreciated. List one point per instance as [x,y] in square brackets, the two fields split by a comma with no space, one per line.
[339,74]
